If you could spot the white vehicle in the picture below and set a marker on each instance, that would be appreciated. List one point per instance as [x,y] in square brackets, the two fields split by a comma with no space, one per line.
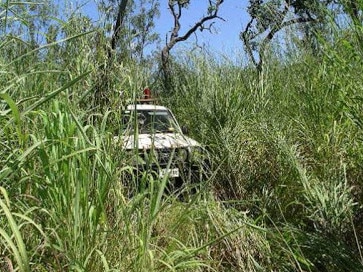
[158,145]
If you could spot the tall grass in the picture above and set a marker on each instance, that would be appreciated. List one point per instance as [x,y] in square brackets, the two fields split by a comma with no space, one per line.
[286,151]
[62,172]
[285,146]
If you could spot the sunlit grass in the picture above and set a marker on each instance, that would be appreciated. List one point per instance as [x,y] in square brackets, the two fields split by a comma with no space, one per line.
[284,191]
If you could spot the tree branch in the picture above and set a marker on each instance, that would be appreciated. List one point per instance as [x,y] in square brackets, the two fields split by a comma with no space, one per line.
[175,38]
[246,41]
[248,35]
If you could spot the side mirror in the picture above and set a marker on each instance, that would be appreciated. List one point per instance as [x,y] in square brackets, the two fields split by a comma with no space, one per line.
[185,130]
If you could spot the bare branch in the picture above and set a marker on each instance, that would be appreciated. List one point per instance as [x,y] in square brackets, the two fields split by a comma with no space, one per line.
[196,26]
[176,16]
[246,41]
[213,10]
[272,33]
[279,23]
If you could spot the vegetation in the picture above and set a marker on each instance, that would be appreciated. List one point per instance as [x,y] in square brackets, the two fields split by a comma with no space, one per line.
[286,142]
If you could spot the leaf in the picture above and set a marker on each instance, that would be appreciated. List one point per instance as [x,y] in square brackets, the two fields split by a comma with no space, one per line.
[19,251]
[56,92]
[15,112]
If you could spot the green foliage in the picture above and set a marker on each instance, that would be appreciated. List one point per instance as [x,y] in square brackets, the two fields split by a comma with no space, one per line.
[136,32]
[308,20]
[17,248]
[285,192]
[285,146]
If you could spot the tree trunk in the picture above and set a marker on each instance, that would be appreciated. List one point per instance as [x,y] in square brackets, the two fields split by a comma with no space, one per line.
[103,84]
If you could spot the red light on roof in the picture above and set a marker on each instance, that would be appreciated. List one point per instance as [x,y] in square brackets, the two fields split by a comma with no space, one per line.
[147,93]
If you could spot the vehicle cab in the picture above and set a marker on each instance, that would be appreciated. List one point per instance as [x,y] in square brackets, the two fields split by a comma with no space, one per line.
[156,143]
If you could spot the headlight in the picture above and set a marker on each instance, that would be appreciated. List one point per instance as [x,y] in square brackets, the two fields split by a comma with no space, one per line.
[181,155]
[197,154]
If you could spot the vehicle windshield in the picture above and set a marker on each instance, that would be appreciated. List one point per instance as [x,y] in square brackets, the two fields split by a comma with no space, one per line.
[149,121]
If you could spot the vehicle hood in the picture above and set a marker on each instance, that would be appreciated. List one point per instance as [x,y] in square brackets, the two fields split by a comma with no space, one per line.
[157,141]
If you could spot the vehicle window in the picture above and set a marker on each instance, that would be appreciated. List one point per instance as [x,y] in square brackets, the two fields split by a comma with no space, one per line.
[148,122]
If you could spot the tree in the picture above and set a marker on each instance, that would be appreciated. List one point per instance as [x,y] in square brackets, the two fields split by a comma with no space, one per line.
[268,17]
[142,24]
[120,16]
[176,8]
[27,19]
[23,25]
[133,23]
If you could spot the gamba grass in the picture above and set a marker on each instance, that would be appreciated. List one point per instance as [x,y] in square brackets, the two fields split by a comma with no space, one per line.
[286,149]
[280,147]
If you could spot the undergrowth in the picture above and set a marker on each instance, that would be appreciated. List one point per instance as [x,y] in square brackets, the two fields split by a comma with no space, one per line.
[285,192]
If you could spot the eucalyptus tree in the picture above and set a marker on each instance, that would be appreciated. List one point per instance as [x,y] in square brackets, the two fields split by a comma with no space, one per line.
[128,29]
[177,8]
[142,24]
[22,24]
[268,17]
[130,25]
[26,19]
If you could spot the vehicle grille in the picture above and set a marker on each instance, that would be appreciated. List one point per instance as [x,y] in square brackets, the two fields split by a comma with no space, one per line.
[163,156]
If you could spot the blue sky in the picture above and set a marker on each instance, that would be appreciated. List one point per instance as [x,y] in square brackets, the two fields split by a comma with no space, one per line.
[225,34]
[224,38]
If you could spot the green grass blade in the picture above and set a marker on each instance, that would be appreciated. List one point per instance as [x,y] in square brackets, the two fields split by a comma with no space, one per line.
[10,244]
[56,92]
[24,261]
[16,114]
